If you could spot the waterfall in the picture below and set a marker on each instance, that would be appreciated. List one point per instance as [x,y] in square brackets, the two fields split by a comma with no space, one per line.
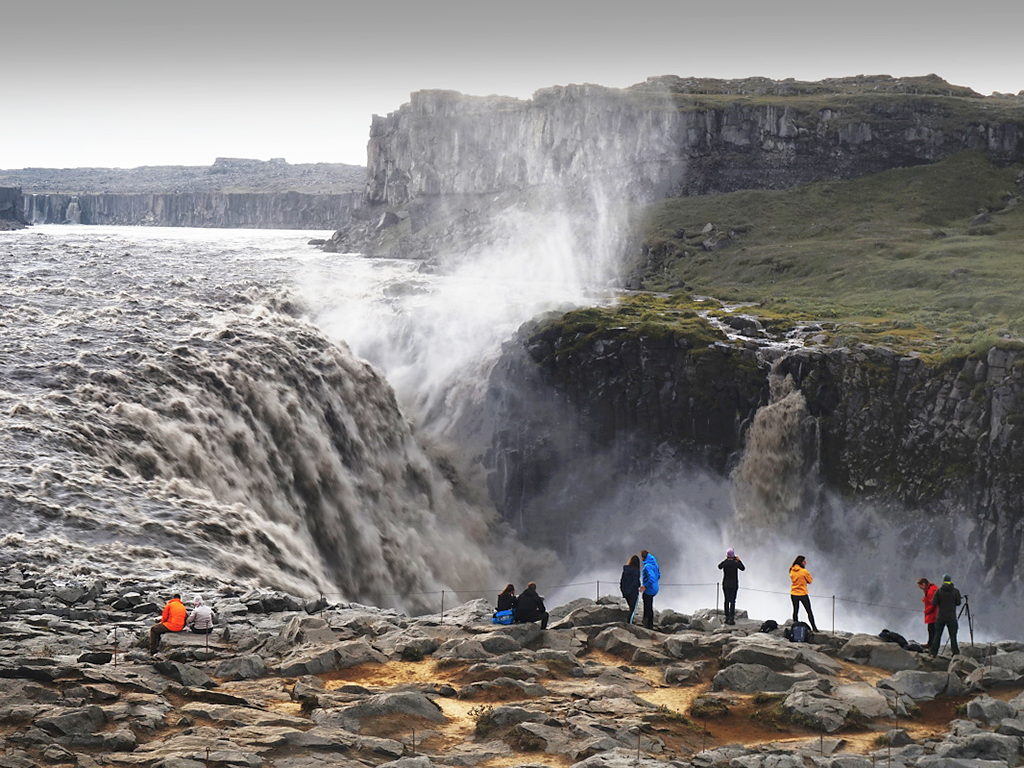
[160,420]
[775,481]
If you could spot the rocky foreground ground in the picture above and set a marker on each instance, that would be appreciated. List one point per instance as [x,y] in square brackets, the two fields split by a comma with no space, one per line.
[288,682]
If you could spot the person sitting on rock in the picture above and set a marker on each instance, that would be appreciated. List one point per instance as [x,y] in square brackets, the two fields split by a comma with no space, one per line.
[531,606]
[507,600]
[171,620]
[200,621]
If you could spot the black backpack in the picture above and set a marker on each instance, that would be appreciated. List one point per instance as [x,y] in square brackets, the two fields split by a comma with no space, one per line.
[799,632]
[893,637]
[769,626]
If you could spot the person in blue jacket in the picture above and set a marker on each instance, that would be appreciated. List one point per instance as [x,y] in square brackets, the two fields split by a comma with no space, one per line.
[650,575]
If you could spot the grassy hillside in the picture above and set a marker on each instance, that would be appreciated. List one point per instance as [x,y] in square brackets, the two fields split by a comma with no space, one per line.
[895,258]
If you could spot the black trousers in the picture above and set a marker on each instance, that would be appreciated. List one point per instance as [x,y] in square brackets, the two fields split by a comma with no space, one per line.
[730,602]
[805,601]
[648,610]
[951,627]
[931,632]
[631,603]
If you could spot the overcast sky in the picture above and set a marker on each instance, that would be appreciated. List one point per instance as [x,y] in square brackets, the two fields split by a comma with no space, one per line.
[125,83]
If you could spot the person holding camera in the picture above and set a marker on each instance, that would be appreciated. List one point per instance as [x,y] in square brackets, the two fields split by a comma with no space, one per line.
[946,600]
[731,568]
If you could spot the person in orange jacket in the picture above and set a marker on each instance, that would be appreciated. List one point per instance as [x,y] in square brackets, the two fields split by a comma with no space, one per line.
[800,578]
[171,620]
[931,612]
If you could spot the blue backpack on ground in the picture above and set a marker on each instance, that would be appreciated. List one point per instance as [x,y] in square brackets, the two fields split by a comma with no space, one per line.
[503,617]
[799,632]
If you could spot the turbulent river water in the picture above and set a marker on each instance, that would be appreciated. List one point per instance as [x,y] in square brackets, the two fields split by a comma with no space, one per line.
[199,401]
[169,406]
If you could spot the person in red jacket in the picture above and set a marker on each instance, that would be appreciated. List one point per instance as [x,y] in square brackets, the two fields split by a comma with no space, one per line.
[931,612]
[171,620]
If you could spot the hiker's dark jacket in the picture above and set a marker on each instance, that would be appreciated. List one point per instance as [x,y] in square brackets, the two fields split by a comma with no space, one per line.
[629,584]
[531,606]
[731,568]
[947,598]
[507,602]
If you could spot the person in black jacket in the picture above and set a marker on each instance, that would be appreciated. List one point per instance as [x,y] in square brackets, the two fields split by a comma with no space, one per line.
[946,599]
[507,600]
[731,568]
[629,583]
[531,606]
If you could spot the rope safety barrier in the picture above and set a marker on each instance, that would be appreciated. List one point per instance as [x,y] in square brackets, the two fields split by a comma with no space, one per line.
[613,583]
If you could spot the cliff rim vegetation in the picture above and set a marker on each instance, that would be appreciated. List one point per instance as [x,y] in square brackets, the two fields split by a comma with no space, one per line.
[927,258]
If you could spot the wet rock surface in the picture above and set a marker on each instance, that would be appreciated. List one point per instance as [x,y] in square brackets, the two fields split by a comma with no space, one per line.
[283,683]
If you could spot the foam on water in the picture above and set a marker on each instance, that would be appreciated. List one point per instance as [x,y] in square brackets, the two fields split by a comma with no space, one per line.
[166,403]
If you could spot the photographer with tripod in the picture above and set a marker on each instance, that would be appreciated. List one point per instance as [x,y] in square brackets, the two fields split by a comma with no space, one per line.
[946,599]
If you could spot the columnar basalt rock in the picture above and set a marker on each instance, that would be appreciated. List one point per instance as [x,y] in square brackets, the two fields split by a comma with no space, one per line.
[233,192]
[879,428]
[12,215]
[286,210]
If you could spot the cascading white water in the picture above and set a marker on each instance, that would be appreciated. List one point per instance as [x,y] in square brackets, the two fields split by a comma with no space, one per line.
[167,410]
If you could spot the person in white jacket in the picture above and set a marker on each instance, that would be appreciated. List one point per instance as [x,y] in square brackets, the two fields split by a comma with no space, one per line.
[201,619]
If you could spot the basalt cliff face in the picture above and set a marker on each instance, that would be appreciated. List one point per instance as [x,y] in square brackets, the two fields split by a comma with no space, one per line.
[443,151]
[11,213]
[257,210]
[232,192]
[940,446]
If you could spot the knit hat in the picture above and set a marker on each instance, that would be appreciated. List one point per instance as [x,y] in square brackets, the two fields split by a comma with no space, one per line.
[947,577]
[730,553]
[197,601]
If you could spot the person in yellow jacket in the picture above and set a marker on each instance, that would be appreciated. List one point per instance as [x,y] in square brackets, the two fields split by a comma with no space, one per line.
[801,577]
[171,620]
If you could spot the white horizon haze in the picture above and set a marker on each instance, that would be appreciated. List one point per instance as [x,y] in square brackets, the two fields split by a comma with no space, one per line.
[121,83]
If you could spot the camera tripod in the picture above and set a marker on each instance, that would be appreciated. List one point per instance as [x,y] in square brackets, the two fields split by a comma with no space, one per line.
[966,608]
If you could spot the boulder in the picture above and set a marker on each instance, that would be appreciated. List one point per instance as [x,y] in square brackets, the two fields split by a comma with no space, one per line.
[415,647]
[185,674]
[1012,661]
[920,686]
[619,641]
[537,737]
[687,645]
[985,678]
[1011,727]
[810,705]
[462,650]
[865,698]
[989,711]
[73,722]
[411,703]
[1003,749]
[245,667]
[875,652]
[751,678]
[594,613]
[774,653]
[496,643]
